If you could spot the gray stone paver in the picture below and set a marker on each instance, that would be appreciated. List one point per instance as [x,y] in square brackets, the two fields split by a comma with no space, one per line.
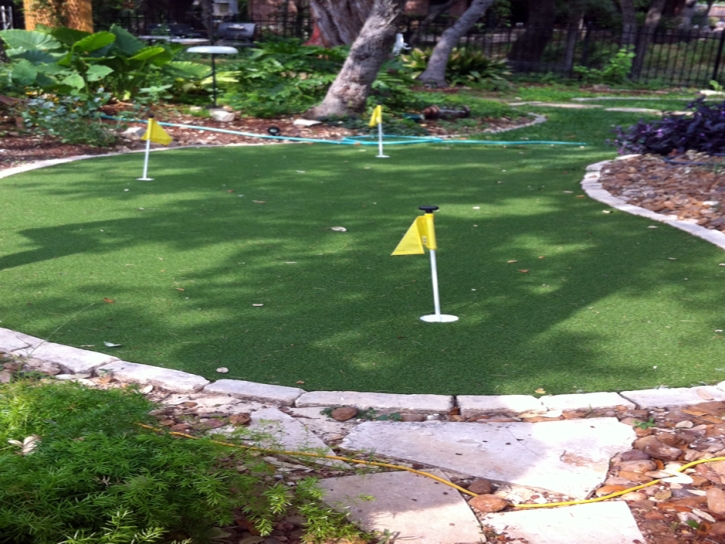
[255,391]
[570,457]
[585,401]
[600,523]
[474,405]
[173,380]
[12,341]
[419,509]
[70,359]
[383,402]
[281,431]
[682,396]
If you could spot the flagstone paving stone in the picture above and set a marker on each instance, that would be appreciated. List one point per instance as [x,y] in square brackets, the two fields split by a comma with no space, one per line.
[681,396]
[569,457]
[74,360]
[383,402]
[11,340]
[416,508]
[600,523]
[173,380]
[281,431]
[255,391]
[585,401]
[474,405]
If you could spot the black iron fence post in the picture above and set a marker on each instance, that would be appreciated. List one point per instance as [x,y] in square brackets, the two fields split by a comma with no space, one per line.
[718,57]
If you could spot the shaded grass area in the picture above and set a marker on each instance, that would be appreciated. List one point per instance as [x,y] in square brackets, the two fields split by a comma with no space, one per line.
[186,257]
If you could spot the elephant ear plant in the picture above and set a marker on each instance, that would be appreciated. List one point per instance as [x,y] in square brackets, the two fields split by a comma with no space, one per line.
[65,61]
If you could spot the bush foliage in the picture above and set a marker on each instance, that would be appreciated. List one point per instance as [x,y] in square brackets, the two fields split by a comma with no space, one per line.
[702,130]
[76,468]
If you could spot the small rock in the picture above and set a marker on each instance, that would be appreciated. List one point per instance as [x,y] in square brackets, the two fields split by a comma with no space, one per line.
[222,370]
[716,501]
[639,465]
[412,417]
[211,423]
[487,504]
[240,419]
[481,486]
[634,455]
[5,376]
[656,449]
[343,413]
[179,428]
[223,116]
[717,528]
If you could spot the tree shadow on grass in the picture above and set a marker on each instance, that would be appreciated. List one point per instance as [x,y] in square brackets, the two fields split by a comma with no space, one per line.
[338,313]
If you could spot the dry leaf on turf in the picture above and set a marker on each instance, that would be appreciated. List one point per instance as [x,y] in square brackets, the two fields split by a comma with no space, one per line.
[111,344]
[109,300]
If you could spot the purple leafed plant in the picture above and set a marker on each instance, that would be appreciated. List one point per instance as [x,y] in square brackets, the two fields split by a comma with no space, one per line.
[703,130]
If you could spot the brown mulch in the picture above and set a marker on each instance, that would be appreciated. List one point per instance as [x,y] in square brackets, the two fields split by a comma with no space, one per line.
[688,187]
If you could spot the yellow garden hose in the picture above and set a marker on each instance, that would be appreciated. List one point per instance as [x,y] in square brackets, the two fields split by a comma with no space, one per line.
[427,474]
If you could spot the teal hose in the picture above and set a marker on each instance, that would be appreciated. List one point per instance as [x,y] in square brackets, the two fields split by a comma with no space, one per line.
[355,140]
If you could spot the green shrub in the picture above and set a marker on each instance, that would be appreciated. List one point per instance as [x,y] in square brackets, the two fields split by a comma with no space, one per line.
[80,470]
[72,119]
[616,71]
[465,66]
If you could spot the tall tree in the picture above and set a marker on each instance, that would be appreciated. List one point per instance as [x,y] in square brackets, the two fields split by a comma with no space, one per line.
[435,72]
[629,22]
[573,26]
[348,93]
[529,47]
[340,21]
[654,14]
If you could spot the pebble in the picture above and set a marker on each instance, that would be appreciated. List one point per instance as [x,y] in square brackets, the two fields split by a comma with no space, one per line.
[344,413]
[487,504]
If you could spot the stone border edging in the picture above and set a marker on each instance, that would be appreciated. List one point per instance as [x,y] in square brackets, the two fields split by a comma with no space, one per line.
[592,187]
[80,363]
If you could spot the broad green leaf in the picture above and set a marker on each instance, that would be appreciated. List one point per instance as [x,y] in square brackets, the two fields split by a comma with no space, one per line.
[187,70]
[94,42]
[23,73]
[69,36]
[97,72]
[162,59]
[147,53]
[36,56]
[29,40]
[126,42]
[74,80]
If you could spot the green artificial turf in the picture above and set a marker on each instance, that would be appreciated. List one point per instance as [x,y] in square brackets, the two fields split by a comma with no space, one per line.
[593,302]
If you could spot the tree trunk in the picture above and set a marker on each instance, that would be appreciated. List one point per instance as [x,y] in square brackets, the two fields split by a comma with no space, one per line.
[654,14]
[435,72]
[629,22]
[348,93]
[576,17]
[529,47]
[425,23]
[340,21]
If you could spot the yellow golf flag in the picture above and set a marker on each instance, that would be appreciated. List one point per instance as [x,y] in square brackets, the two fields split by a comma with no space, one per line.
[156,133]
[421,233]
[377,116]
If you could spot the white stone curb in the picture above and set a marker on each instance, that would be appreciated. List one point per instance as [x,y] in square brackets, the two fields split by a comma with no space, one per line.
[591,186]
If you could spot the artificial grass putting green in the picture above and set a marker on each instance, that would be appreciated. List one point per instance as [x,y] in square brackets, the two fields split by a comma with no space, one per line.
[593,302]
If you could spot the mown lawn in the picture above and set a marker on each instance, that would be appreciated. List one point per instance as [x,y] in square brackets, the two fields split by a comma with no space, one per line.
[175,270]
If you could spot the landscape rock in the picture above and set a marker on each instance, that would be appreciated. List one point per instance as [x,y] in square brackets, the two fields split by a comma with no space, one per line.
[657,450]
[716,501]
[481,486]
[487,504]
[343,413]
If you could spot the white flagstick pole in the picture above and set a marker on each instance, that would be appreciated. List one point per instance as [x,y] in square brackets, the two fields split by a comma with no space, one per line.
[146,160]
[434,278]
[380,142]
[437,317]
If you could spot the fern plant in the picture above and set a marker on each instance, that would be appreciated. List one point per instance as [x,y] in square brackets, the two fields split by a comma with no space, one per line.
[465,66]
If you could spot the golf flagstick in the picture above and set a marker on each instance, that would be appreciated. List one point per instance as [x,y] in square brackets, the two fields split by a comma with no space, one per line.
[377,119]
[154,133]
[422,233]
[145,177]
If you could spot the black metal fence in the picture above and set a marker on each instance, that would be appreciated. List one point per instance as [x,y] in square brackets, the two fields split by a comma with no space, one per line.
[672,57]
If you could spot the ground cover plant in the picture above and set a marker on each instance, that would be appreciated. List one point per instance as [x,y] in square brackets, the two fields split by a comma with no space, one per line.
[76,468]
[229,259]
